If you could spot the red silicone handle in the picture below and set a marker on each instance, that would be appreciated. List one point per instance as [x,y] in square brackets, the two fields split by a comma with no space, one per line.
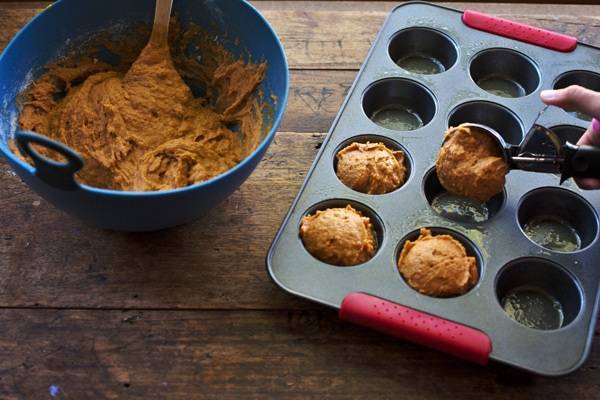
[408,324]
[522,32]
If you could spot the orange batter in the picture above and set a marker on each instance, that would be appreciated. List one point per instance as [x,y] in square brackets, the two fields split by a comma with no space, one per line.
[437,265]
[470,164]
[142,129]
[371,168]
[339,236]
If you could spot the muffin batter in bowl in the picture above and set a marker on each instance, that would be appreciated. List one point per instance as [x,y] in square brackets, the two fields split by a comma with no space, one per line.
[339,236]
[371,168]
[437,265]
[470,164]
[143,129]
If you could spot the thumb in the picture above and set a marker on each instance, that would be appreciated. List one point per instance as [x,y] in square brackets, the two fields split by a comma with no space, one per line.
[591,136]
[574,98]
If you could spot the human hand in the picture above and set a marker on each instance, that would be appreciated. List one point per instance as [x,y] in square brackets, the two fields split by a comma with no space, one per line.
[577,98]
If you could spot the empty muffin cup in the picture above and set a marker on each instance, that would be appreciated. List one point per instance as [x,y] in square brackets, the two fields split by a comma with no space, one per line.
[493,115]
[557,219]
[341,232]
[423,51]
[587,79]
[399,104]
[439,262]
[540,144]
[458,208]
[538,293]
[568,133]
[504,73]
[379,173]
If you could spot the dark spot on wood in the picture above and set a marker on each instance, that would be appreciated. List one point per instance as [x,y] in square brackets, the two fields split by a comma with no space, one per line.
[130,319]
[508,376]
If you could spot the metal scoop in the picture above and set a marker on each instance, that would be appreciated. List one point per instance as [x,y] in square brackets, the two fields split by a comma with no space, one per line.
[569,160]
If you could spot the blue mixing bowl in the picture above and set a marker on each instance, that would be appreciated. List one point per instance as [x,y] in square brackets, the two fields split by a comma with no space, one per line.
[42,39]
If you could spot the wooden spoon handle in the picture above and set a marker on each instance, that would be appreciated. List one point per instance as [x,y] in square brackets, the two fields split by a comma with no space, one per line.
[162,16]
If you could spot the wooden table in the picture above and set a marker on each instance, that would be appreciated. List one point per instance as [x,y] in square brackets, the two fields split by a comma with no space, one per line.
[190,312]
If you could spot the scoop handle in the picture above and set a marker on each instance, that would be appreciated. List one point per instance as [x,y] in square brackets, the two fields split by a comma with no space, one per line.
[60,175]
[580,161]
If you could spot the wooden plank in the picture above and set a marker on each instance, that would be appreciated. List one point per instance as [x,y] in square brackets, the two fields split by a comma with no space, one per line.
[246,354]
[339,38]
[50,259]
[315,98]
[12,20]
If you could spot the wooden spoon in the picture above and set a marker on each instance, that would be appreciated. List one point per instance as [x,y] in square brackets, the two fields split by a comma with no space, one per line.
[162,16]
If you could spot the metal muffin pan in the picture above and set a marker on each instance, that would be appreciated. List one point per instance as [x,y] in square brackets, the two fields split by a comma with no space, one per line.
[506,257]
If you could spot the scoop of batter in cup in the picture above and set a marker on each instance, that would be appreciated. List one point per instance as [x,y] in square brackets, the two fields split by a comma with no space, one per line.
[437,265]
[471,164]
[339,236]
[371,168]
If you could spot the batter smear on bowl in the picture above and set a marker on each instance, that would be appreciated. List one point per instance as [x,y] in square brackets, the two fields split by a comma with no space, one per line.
[339,236]
[437,265]
[471,164]
[141,128]
[371,168]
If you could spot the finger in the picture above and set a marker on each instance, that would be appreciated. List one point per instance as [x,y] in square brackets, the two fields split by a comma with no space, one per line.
[591,136]
[575,98]
[588,183]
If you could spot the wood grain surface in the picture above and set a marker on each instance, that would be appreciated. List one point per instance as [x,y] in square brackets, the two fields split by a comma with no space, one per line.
[244,354]
[190,312]
[337,35]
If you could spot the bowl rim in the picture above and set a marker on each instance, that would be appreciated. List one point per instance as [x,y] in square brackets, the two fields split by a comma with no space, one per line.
[241,165]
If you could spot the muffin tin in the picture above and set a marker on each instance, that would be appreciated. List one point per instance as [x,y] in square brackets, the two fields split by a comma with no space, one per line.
[473,326]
